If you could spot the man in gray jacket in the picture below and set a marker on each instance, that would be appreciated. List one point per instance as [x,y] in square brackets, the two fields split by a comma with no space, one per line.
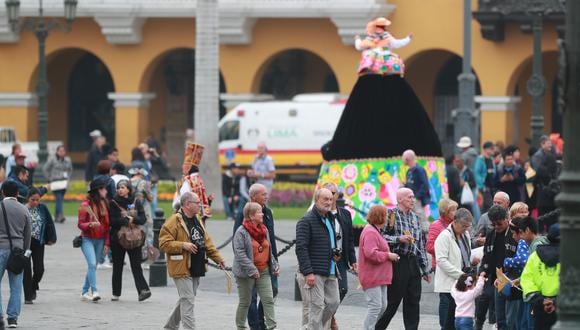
[18,220]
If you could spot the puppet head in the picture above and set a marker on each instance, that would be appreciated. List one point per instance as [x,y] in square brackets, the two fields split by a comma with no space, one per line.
[379,23]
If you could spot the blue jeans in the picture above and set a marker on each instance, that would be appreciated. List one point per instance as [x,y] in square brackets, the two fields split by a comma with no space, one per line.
[228,207]
[92,249]
[58,200]
[15,282]
[464,323]
[514,316]
[527,321]
[154,201]
[500,310]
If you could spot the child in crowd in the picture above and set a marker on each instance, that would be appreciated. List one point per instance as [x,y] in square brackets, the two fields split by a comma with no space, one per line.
[464,292]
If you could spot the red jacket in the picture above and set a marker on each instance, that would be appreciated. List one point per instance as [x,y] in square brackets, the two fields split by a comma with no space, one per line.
[374,267]
[96,232]
[434,230]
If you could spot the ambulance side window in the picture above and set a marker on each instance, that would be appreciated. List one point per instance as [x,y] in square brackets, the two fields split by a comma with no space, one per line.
[230,130]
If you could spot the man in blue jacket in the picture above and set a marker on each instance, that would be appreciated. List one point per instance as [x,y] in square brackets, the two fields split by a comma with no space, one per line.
[417,181]
[316,249]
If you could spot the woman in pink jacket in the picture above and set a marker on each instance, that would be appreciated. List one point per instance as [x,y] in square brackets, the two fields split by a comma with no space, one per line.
[375,268]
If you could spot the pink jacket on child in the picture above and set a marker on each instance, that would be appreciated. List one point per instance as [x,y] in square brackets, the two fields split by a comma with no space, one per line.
[374,267]
[465,300]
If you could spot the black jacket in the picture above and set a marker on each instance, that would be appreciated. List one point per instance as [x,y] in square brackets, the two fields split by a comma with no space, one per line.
[268,222]
[491,260]
[119,204]
[348,253]
[93,157]
[313,246]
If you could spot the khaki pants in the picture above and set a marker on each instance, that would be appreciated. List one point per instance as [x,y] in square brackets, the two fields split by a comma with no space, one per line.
[183,311]
[264,287]
[324,300]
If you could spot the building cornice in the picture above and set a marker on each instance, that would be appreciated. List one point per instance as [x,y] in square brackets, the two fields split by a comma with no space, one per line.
[131,100]
[18,100]
[498,103]
[121,21]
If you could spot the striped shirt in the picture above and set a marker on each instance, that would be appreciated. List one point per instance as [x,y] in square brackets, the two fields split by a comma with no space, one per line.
[407,224]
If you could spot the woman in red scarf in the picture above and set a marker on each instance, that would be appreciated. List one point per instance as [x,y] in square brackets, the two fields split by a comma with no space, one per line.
[253,265]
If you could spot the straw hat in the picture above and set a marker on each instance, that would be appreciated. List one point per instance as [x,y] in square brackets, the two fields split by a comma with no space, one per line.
[381,21]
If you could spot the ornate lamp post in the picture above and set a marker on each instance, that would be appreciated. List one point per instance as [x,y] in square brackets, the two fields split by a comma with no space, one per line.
[569,198]
[41,27]
[465,113]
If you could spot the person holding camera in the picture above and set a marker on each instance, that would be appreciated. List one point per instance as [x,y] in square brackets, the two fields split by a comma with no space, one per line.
[126,210]
[404,234]
[187,244]
[315,250]
[510,178]
[453,254]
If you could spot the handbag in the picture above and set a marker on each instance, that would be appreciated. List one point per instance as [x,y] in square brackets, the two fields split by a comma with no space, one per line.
[77,241]
[130,236]
[17,258]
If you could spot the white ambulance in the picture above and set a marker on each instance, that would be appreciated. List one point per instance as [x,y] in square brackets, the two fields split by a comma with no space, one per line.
[293,132]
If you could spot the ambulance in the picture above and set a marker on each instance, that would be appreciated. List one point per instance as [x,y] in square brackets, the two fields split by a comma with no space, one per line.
[293,131]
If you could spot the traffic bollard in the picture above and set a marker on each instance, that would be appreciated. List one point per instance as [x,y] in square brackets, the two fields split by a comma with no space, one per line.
[158,270]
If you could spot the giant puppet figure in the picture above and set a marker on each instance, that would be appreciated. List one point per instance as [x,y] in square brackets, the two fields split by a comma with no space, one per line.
[191,180]
[383,117]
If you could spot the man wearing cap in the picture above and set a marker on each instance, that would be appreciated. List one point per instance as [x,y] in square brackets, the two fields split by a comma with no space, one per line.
[468,152]
[484,174]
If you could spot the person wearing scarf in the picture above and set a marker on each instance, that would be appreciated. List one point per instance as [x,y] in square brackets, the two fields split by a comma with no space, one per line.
[253,266]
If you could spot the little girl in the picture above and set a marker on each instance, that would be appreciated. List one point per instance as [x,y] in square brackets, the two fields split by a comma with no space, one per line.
[464,293]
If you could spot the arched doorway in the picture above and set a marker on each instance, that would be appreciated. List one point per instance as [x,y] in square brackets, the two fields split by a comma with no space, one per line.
[171,76]
[296,71]
[89,106]
[447,100]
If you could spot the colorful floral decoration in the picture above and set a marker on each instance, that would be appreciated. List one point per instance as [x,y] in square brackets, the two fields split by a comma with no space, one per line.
[368,182]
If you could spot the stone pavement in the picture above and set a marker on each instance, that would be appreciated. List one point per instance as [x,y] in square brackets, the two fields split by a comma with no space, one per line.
[58,305]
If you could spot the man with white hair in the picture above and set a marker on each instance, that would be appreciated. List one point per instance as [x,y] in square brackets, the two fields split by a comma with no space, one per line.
[263,169]
[404,235]
[417,181]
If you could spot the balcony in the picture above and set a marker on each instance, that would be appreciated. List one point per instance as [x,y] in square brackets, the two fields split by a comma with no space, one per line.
[121,20]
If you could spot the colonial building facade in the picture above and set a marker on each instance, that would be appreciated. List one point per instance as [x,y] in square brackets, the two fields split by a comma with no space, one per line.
[127,66]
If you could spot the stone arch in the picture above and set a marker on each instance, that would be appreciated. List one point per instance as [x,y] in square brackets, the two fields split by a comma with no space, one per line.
[171,77]
[517,86]
[79,82]
[433,75]
[294,71]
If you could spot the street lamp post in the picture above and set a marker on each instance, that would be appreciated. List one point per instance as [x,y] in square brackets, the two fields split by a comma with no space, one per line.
[569,198]
[536,85]
[465,113]
[41,26]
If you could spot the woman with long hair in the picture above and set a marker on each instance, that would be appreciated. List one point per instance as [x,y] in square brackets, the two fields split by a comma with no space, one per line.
[254,264]
[58,168]
[94,225]
[43,233]
[126,210]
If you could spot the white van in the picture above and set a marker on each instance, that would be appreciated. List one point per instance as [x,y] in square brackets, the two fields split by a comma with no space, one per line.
[293,132]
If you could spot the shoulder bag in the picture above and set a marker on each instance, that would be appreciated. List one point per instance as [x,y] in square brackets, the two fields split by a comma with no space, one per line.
[131,236]
[17,259]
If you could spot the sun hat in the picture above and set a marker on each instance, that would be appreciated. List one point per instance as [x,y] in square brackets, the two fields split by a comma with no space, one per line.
[464,142]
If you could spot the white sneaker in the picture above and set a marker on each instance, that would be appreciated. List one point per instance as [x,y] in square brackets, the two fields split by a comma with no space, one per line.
[115,298]
[105,265]
[87,296]
[96,296]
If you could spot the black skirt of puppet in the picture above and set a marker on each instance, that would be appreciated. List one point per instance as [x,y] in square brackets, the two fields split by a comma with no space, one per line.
[382,118]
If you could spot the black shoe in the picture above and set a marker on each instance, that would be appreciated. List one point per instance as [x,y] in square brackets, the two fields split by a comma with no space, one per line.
[144,294]
[28,302]
[12,323]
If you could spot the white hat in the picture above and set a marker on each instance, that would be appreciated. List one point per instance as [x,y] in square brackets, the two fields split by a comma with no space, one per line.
[95,133]
[464,142]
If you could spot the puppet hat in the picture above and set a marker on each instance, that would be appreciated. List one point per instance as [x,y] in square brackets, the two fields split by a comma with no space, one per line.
[192,156]
[381,21]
